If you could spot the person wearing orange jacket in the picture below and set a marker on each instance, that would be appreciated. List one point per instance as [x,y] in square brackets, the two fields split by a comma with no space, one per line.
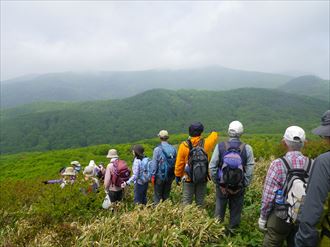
[191,188]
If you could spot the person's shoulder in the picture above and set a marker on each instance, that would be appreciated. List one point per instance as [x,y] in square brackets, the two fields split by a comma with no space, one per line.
[323,158]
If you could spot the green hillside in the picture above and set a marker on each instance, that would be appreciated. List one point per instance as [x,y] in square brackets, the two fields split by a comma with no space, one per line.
[72,87]
[34,214]
[309,85]
[57,126]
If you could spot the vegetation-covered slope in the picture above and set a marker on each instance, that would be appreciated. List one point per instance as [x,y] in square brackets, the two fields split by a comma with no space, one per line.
[56,126]
[309,85]
[70,86]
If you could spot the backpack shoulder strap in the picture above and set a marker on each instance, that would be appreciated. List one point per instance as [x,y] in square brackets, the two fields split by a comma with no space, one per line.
[227,146]
[189,144]
[286,163]
[309,162]
[201,142]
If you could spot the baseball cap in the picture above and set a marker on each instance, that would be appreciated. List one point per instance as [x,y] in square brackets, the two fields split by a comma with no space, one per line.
[294,134]
[163,133]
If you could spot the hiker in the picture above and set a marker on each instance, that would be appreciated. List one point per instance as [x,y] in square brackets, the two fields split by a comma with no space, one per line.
[56,181]
[76,165]
[191,165]
[141,175]
[163,162]
[90,172]
[116,173]
[317,193]
[277,217]
[231,169]
[101,173]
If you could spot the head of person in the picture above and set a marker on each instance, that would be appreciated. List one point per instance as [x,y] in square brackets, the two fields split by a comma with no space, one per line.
[163,135]
[76,165]
[294,138]
[89,172]
[196,129]
[138,151]
[324,129]
[235,129]
[112,154]
[69,173]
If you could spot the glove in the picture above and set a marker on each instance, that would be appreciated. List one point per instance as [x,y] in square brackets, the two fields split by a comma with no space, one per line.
[153,179]
[123,185]
[177,180]
[262,224]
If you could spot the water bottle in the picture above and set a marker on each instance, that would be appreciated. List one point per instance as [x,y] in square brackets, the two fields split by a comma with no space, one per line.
[279,199]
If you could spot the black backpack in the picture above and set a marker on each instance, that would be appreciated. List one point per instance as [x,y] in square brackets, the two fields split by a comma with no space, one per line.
[198,162]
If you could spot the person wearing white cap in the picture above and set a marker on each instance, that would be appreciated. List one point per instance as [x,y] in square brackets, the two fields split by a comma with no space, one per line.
[163,162]
[317,193]
[274,216]
[76,165]
[231,190]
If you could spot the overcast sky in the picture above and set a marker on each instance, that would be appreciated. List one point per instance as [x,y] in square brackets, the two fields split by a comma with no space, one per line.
[52,36]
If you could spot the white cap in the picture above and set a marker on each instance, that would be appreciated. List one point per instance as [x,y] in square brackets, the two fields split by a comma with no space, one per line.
[163,133]
[92,163]
[75,163]
[235,128]
[294,134]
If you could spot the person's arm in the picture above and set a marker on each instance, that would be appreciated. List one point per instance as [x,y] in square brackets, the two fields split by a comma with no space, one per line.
[271,185]
[210,142]
[214,164]
[135,169]
[180,160]
[249,165]
[155,160]
[107,177]
[317,192]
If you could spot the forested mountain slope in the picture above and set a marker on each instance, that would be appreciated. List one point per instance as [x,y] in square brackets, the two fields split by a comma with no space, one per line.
[64,125]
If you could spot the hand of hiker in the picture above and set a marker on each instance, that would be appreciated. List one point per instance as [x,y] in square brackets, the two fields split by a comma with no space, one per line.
[45,182]
[177,180]
[123,185]
[153,180]
[262,224]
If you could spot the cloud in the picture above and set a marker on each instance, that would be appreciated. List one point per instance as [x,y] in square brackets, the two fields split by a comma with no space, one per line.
[50,36]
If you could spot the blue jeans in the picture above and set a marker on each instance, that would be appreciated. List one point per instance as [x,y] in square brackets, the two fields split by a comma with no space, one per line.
[140,193]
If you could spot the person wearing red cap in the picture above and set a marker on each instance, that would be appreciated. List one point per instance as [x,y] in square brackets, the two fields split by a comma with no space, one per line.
[191,188]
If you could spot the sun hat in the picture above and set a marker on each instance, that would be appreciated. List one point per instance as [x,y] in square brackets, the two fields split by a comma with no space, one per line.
[294,134]
[324,128]
[75,163]
[89,171]
[196,129]
[112,154]
[163,133]
[138,149]
[69,171]
[235,128]
[91,163]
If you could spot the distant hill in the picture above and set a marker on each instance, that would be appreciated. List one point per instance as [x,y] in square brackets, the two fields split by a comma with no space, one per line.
[70,86]
[308,85]
[64,125]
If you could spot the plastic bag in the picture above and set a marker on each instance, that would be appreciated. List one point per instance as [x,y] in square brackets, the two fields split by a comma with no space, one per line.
[106,202]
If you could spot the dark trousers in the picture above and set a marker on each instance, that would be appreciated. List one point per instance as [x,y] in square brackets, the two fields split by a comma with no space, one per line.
[235,206]
[140,193]
[278,231]
[115,195]
[162,190]
[190,190]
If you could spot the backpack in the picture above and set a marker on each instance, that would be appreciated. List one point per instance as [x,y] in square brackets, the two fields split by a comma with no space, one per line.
[121,173]
[232,160]
[294,189]
[166,164]
[198,162]
[144,174]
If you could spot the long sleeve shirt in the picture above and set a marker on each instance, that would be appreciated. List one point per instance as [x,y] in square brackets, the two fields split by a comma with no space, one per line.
[183,152]
[275,179]
[248,169]
[107,178]
[317,192]
[157,156]
[135,170]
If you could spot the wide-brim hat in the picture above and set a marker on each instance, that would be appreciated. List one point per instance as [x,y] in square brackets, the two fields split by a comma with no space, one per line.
[69,171]
[75,163]
[112,154]
[324,128]
[89,171]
